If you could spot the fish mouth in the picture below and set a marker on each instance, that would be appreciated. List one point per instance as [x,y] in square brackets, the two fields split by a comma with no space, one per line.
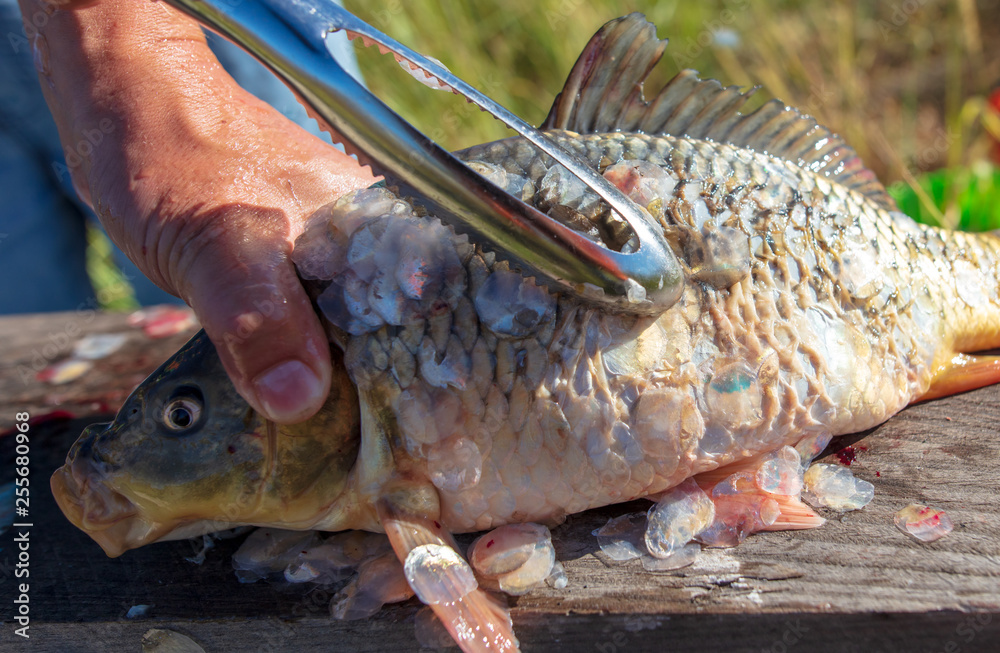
[107,516]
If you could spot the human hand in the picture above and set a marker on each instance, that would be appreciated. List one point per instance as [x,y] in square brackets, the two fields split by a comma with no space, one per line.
[201,184]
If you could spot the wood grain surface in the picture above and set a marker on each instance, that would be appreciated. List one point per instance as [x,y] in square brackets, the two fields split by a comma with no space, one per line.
[856,584]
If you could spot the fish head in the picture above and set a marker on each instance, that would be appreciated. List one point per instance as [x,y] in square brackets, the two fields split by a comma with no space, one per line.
[187,455]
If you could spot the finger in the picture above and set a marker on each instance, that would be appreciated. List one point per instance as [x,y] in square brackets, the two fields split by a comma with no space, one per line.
[249,299]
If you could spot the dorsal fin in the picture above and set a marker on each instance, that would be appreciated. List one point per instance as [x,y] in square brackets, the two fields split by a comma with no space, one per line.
[604,93]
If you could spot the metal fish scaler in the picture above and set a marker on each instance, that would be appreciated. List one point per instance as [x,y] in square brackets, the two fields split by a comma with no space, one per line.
[466,396]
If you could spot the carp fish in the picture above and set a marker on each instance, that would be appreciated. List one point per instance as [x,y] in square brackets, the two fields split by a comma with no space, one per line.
[466,396]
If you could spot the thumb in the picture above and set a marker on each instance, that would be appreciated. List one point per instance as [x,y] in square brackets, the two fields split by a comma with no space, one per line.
[249,299]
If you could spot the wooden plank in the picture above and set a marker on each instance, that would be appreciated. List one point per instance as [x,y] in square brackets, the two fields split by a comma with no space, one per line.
[613,633]
[856,584]
[31,343]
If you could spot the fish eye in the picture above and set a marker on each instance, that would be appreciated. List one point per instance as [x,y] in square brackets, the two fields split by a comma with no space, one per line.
[183,411]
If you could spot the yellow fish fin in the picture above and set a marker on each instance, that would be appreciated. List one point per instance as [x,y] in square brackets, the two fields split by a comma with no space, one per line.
[962,373]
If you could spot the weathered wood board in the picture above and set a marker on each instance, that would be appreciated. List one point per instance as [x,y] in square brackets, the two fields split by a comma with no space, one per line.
[856,584]
[31,343]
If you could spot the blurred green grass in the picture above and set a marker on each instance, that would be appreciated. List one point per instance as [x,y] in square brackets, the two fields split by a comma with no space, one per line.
[902,81]
[968,198]
[113,291]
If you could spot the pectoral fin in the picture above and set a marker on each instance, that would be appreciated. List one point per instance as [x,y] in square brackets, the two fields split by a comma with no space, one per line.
[441,578]
[762,493]
[962,373]
[794,515]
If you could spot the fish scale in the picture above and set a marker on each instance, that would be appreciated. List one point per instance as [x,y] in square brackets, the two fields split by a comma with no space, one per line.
[467,396]
[752,366]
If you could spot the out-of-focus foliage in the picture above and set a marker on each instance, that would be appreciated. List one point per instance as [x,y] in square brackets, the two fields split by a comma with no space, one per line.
[966,197]
[113,291]
[903,81]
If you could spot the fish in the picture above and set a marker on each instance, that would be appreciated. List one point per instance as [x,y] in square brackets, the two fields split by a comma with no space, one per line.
[467,396]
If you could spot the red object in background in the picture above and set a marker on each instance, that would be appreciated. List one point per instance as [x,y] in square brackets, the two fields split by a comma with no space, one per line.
[163,321]
[994,102]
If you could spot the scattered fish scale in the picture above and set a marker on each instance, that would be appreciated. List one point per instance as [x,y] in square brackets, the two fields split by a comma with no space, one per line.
[680,515]
[162,640]
[557,579]
[515,184]
[834,486]
[138,611]
[99,345]
[64,371]
[809,308]
[269,551]
[304,557]
[322,564]
[515,557]
[683,557]
[624,538]
[781,472]
[560,188]
[923,523]
[812,446]
[380,580]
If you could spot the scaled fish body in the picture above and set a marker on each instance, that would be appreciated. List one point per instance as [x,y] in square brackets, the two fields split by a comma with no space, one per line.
[469,397]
